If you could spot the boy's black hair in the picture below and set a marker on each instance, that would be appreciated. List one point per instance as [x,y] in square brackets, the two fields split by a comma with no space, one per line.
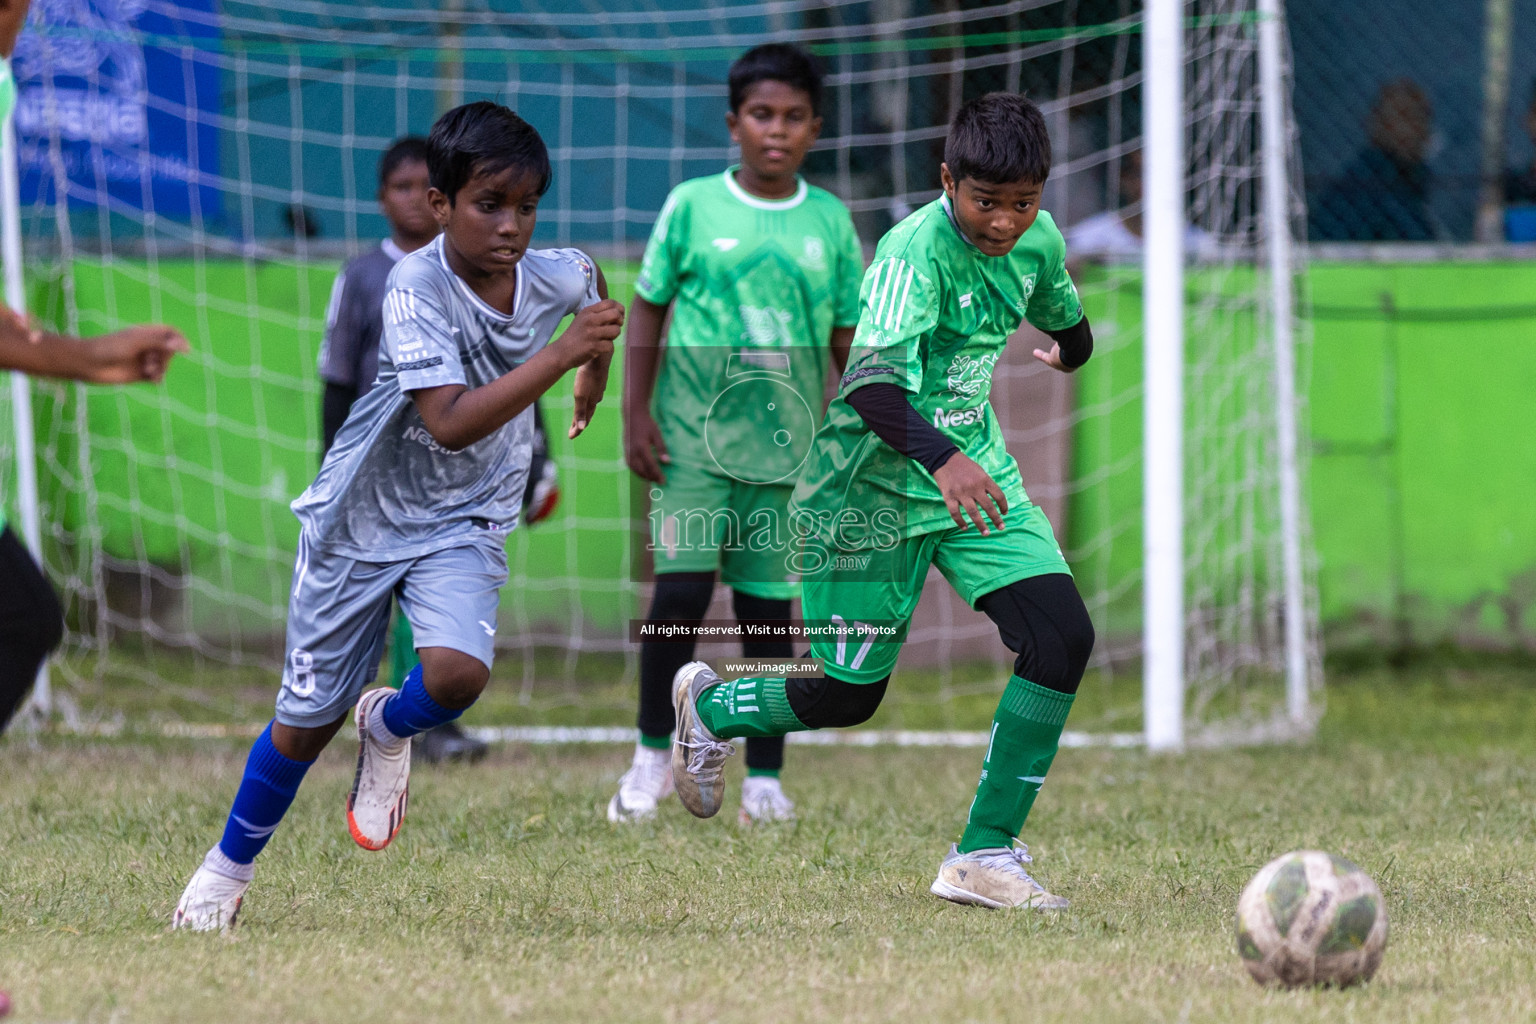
[999,138]
[483,138]
[411,149]
[776,62]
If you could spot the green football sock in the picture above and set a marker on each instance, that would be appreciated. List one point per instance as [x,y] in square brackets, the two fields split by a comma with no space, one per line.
[755,706]
[402,652]
[656,742]
[1025,733]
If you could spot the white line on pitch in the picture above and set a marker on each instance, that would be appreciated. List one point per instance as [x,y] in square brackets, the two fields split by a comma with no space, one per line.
[550,735]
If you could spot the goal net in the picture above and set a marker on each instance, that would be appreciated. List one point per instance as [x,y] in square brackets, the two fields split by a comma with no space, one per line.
[211,164]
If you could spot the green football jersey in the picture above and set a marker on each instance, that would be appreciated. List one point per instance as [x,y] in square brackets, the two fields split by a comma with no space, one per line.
[936,313]
[756,287]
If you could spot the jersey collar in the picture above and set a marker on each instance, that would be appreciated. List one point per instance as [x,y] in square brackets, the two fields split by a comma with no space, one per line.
[801,191]
[393,251]
[479,303]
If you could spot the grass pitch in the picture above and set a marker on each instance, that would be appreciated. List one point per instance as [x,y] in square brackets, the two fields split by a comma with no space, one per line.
[508,896]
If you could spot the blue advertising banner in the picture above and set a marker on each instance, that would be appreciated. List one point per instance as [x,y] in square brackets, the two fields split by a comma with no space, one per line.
[119,121]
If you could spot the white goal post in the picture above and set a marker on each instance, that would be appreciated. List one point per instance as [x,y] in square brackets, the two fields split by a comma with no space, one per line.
[1164,257]
[1163,355]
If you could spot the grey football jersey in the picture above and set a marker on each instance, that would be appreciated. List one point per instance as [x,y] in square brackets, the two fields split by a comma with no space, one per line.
[354,320]
[387,491]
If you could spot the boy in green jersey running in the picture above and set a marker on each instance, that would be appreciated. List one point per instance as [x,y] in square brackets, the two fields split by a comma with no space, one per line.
[908,471]
[761,273]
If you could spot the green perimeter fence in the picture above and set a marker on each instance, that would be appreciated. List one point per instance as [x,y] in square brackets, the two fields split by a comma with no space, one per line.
[1422,468]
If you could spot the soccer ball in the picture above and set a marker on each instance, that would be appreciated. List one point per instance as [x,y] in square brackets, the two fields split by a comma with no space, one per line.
[1311,918]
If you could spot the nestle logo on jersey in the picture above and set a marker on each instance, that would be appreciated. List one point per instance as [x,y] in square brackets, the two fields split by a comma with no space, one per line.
[959,417]
[424,437]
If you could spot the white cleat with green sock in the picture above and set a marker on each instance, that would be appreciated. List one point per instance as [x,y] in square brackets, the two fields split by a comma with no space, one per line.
[993,878]
[646,784]
[763,800]
[698,756]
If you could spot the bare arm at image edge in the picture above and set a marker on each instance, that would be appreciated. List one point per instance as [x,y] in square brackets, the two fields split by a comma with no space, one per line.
[132,355]
[13,15]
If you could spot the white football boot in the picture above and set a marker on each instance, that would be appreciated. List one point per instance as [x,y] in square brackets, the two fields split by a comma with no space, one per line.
[763,800]
[381,787]
[211,901]
[698,756]
[646,784]
[993,878]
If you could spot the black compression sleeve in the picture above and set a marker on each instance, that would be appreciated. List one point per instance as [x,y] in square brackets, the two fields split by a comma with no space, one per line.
[1076,343]
[334,407]
[886,411]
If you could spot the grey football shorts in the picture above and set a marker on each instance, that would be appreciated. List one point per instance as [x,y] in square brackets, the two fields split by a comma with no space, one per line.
[338,618]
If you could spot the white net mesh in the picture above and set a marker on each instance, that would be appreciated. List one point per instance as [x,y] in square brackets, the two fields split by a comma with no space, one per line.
[211,164]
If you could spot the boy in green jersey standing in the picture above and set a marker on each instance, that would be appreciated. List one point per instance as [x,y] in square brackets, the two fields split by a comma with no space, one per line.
[909,470]
[761,273]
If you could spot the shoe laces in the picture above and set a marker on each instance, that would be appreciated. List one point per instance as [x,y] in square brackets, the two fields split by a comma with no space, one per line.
[1011,860]
[706,758]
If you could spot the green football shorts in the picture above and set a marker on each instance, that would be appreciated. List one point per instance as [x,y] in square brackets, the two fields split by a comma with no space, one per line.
[859,604]
[704,521]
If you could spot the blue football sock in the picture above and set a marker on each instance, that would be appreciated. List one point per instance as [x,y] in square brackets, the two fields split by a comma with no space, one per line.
[412,709]
[266,791]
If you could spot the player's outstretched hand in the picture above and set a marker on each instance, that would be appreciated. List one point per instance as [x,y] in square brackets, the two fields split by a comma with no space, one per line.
[131,355]
[969,491]
[644,450]
[1053,359]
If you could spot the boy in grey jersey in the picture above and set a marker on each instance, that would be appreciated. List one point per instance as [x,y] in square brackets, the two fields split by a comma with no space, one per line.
[416,496]
[349,365]
[349,356]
